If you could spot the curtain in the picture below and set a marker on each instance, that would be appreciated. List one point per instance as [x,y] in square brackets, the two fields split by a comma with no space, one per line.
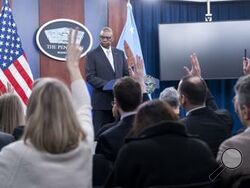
[148,14]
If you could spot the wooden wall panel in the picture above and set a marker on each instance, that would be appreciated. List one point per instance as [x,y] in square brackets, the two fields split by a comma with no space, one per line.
[117,14]
[9,1]
[54,9]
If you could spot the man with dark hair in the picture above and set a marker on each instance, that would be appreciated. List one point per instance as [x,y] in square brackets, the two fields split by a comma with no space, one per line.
[241,141]
[127,97]
[209,123]
[103,64]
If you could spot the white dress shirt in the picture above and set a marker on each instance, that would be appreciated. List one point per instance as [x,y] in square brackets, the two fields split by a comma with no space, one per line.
[109,55]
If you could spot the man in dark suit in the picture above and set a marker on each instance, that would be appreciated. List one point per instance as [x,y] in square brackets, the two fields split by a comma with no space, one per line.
[209,123]
[103,64]
[128,96]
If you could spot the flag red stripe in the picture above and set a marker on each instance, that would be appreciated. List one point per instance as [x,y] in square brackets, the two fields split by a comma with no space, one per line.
[15,84]
[2,87]
[23,73]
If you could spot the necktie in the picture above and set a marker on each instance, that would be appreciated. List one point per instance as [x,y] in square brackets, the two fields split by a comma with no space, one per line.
[110,58]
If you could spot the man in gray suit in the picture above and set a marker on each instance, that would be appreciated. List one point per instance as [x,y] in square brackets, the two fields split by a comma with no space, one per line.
[241,141]
[103,64]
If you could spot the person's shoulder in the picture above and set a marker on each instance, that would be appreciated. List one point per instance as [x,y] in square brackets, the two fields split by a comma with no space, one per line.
[239,141]
[6,136]
[14,148]
[94,51]
[112,130]
[16,145]
[223,112]
[116,50]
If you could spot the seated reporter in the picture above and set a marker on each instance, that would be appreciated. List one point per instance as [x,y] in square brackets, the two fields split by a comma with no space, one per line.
[11,117]
[162,153]
[203,118]
[56,149]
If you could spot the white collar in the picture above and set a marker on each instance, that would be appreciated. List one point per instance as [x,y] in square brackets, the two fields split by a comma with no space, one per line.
[203,106]
[106,49]
[125,114]
[247,129]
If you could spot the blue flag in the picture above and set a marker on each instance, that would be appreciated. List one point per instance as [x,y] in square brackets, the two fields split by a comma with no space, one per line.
[130,34]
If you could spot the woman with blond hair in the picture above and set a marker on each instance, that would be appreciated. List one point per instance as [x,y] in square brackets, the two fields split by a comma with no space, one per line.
[56,149]
[11,112]
[11,117]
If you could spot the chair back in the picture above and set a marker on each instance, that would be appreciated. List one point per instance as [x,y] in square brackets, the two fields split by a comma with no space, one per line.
[242,182]
[207,184]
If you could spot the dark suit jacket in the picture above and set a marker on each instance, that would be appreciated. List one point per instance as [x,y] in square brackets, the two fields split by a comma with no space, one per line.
[107,126]
[213,127]
[104,128]
[110,141]
[99,72]
[162,155]
[5,139]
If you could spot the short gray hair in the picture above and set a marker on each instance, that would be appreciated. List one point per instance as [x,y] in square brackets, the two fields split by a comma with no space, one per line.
[170,95]
[242,90]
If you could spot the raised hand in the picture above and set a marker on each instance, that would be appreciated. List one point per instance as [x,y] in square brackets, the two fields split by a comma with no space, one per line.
[138,72]
[246,66]
[130,56]
[74,51]
[195,69]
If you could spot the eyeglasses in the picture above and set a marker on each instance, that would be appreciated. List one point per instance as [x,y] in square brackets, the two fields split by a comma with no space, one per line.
[106,37]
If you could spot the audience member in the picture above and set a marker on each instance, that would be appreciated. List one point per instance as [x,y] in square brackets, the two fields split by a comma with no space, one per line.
[55,150]
[5,139]
[105,127]
[161,152]
[103,64]
[242,140]
[127,97]
[11,112]
[11,116]
[170,95]
[212,126]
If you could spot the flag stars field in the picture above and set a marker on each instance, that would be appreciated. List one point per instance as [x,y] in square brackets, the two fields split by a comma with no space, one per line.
[14,68]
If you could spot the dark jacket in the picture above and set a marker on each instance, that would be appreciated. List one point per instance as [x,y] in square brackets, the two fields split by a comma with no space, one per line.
[99,72]
[5,139]
[110,141]
[18,132]
[213,127]
[162,155]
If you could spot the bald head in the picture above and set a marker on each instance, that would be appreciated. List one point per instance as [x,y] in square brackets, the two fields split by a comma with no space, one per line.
[194,89]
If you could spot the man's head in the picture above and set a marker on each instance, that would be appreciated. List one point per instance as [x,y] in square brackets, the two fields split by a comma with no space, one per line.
[242,99]
[106,37]
[170,95]
[127,94]
[192,92]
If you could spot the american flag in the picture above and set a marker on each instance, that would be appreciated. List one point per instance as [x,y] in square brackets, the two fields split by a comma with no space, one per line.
[14,68]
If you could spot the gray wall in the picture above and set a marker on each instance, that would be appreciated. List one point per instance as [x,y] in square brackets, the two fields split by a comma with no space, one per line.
[95,17]
[25,13]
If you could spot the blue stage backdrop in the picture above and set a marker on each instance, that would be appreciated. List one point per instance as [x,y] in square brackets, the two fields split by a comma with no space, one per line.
[148,14]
